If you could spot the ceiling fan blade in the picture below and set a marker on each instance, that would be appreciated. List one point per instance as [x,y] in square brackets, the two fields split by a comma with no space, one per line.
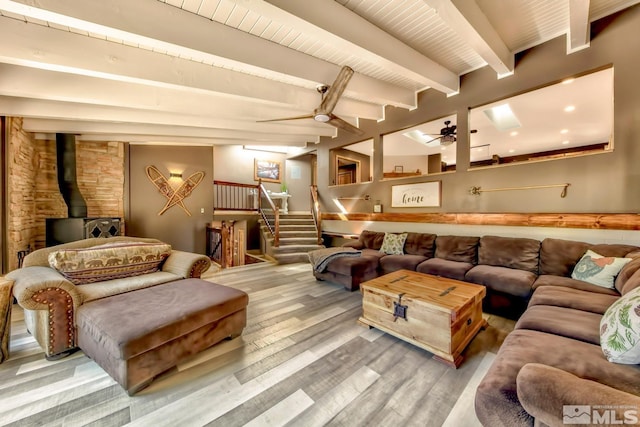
[434,142]
[335,91]
[337,122]
[307,116]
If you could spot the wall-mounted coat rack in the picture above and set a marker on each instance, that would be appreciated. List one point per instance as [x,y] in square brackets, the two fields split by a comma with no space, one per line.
[365,197]
[476,191]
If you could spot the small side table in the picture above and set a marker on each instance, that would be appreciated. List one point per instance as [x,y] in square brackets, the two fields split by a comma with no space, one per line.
[6,302]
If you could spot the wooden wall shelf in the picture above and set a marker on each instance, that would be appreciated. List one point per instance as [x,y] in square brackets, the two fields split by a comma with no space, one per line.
[604,221]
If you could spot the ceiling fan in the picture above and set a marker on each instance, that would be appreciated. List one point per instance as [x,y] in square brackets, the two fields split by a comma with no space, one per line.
[447,135]
[330,97]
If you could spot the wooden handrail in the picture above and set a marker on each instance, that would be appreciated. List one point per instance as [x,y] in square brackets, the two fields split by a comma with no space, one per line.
[315,211]
[275,229]
[234,184]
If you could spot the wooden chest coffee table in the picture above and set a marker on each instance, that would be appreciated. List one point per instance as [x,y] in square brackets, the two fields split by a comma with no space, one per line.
[437,314]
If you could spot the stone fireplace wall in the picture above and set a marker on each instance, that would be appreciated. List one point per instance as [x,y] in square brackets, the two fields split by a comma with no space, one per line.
[33,187]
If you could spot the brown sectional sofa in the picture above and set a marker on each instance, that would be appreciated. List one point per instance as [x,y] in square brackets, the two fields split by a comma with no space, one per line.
[553,357]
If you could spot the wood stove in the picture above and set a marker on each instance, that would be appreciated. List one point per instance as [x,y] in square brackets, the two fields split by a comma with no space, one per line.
[77,226]
[64,230]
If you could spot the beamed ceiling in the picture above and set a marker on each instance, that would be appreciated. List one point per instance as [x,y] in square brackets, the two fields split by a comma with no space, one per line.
[206,71]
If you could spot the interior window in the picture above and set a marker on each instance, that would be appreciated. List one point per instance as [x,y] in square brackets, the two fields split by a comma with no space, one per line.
[570,118]
[420,150]
[352,164]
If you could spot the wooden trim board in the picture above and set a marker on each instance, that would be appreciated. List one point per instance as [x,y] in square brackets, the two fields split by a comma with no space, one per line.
[602,221]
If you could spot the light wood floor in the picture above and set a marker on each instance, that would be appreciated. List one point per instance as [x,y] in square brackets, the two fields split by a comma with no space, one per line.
[302,360]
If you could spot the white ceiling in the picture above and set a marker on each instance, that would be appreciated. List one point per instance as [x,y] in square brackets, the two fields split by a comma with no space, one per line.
[205,71]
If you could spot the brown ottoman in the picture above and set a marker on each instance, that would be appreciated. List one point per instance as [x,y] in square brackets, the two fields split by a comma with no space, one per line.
[137,335]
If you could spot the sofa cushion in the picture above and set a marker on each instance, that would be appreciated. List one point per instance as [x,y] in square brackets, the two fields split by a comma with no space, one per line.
[458,248]
[393,244]
[97,290]
[566,322]
[391,263]
[445,268]
[572,298]
[629,278]
[511,252]
[558,257]
[110,261]
[497,401]
[371,239]
[568,282]
[420,244]
[598,270]
[620,329]
[502,279]
[353,266]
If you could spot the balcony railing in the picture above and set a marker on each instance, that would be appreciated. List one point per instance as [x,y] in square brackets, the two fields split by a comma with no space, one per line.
[232,196]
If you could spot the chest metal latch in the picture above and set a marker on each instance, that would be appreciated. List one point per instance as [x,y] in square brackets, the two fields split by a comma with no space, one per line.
[399,310]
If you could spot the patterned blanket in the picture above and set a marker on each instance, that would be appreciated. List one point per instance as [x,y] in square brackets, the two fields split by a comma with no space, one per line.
[321,257]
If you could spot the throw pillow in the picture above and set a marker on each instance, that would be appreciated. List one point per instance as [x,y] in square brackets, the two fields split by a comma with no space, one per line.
[620,330]
[393,244]
[109,261]
[598,270]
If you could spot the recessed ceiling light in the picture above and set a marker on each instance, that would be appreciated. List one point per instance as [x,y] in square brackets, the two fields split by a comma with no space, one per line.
[514,133]
[568,81]
[502,117]
[512,151]
[443,148]
[563,131]
[569,108]
[565,142]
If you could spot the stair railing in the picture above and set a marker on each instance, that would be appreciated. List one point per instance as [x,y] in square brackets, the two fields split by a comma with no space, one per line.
[271,221]
[233,196]
[315,212]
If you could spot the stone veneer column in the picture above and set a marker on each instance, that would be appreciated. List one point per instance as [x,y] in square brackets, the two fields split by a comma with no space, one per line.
[22,167]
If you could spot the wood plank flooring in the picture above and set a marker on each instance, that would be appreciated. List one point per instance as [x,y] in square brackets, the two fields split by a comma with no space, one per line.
[302,360]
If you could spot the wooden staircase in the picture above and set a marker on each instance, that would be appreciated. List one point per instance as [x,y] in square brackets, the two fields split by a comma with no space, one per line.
[297,238]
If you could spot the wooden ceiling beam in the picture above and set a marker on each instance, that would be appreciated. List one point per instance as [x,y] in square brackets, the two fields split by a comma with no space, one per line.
[35,83]
[467,19]
[88,127]
[579,35]
[36,108]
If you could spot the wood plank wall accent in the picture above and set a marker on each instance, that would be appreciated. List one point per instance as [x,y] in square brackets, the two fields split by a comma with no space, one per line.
[609,221]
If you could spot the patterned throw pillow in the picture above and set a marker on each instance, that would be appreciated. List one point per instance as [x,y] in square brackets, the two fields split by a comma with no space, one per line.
[598,270]
[109,261]
[393,244]
[620,330]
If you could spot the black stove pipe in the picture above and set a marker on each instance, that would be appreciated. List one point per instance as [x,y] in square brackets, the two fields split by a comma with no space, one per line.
[67,180]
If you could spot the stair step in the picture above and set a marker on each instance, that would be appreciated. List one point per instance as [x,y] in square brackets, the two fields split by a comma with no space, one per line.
[297,233]
[287,241]
[284,233]
[297,216]
[295,248]
[290,258]
[291,223]
[288,227]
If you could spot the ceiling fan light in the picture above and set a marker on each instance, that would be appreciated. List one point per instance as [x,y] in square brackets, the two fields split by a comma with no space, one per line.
[447,139]
[322,118]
